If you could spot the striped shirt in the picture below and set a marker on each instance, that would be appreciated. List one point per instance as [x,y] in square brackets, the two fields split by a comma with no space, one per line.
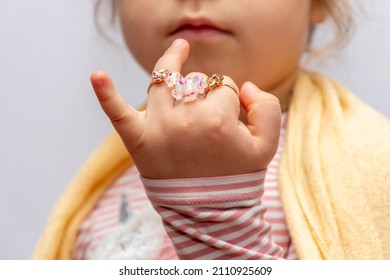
[231,217]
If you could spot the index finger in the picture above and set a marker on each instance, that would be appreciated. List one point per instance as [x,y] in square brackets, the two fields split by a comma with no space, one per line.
[173,59]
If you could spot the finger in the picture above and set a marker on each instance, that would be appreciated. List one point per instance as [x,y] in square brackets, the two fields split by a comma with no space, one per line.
[123,117]
[225,97]
[263,113]
[159,96]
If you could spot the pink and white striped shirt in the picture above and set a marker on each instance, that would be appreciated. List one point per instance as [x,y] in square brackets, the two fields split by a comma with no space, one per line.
[232,217]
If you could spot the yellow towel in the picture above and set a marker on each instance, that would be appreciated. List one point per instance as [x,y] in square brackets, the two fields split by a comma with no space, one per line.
[334,179]
[335,174]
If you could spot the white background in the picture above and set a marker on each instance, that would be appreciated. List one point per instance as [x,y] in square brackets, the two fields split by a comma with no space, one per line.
[50,121]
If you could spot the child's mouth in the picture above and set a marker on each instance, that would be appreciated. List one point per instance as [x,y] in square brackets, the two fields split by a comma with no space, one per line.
[203,31]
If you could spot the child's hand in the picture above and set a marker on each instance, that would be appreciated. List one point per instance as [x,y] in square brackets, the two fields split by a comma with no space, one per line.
[202,138]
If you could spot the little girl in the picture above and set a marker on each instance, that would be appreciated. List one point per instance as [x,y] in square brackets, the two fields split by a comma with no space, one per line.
[266,162]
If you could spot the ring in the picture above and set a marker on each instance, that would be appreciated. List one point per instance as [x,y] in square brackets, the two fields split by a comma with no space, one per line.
[187,89]
[158,77]
[217,80]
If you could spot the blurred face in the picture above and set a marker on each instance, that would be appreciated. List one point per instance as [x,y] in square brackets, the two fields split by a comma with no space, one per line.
[249,40]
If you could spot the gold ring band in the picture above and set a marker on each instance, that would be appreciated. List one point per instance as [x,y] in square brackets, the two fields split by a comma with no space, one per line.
[152,83]
[226,84]
[216,80]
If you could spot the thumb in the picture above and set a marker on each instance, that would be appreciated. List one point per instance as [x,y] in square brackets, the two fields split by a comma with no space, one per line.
[124,118]
[263,113]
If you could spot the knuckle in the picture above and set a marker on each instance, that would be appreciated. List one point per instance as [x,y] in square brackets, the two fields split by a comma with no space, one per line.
[204,126]
[120,118]
[215,124]
[188,127]
[217,129]
[105,97]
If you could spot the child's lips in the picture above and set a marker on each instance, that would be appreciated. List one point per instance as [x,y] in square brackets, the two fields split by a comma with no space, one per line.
[198,30]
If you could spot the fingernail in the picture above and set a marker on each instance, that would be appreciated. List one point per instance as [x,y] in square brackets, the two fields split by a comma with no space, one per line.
[178,43]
